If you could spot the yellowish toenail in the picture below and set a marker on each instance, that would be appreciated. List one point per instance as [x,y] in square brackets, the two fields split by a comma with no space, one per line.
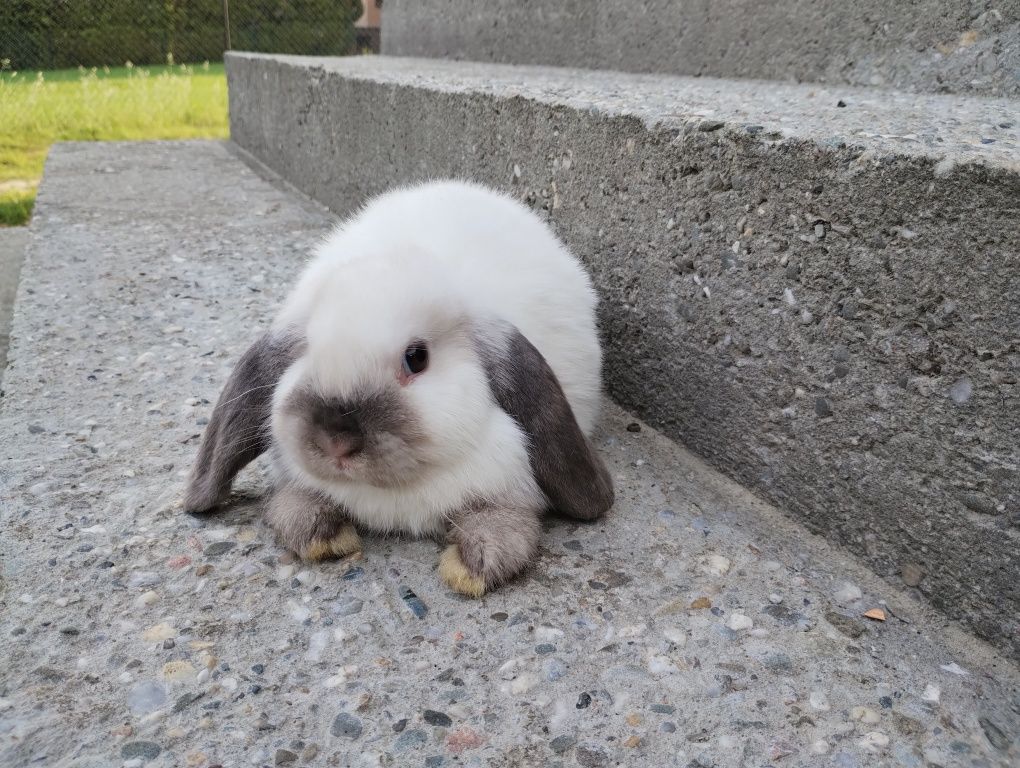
[344,543]
[456,575]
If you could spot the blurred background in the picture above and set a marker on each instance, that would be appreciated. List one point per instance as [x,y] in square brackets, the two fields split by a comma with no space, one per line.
[142,69]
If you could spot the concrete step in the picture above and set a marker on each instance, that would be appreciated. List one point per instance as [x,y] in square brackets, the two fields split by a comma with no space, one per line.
[938,46]
[693,625]
[821,300]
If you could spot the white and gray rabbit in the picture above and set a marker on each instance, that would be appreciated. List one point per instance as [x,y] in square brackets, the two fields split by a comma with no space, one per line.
[435,370]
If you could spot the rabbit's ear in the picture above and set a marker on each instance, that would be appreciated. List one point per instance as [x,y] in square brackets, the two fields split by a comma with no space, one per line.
[563,461]
[238,431]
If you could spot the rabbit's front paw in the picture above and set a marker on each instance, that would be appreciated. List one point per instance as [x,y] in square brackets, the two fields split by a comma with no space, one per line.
[490,545]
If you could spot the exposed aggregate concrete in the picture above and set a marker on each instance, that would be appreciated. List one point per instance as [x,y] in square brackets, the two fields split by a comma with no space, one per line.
[695,626]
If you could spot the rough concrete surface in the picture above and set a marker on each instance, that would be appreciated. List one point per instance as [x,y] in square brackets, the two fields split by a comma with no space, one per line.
[955,46]
[12,253]
[695,626]
[820,300]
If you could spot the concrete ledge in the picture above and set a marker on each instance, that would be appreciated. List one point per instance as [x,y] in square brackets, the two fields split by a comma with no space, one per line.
[820,300]
[684,628]
[932,45]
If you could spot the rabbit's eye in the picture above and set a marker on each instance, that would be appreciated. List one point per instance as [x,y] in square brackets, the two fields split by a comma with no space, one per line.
[416,358]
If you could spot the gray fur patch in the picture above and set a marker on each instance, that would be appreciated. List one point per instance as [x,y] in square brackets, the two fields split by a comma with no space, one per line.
[565,465]
[238,431]
[300,517]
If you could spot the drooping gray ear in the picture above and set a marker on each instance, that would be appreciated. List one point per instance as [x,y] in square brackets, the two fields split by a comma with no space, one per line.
[564,462]
[238,431]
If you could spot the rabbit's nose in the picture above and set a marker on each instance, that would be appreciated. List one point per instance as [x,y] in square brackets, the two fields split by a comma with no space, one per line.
[339,435]
[342,446]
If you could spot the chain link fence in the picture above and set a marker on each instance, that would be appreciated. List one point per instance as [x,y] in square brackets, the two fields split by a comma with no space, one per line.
[58,34]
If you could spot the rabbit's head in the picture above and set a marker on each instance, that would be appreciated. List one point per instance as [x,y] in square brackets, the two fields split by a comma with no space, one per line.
[389,383]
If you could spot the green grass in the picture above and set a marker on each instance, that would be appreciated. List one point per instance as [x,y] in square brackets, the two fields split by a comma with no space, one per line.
[39,108]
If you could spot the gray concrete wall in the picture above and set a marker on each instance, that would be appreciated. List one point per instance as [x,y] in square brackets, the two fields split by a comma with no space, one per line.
[964,46]
[835,327]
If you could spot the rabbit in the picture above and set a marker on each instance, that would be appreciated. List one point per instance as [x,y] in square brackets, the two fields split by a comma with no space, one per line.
[436,370]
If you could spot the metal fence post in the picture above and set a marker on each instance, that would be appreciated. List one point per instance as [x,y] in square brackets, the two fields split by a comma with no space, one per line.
[226,25]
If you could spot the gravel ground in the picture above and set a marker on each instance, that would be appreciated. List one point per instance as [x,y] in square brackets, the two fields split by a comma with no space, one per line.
[693,627]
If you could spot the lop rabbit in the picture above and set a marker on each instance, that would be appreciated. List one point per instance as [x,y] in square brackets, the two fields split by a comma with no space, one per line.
[435,371]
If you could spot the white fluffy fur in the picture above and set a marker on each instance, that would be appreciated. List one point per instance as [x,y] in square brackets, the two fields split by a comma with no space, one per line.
[435,261]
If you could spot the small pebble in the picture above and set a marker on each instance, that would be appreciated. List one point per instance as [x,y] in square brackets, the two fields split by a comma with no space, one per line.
[932,694]
[347,606]
[955,669]
[676,636]
[413,602]
[848,593]
[659,665]
[819,701]
[284,757]
[547,633]
[523,683]
[298,611]
[961,391]
[718,565]
[865,715]
[561,744]
[218,548]
[874,741]
[146,750]
[432,717]
[157,633]
[554,669]
[143,579]
[346,725]
[410,740]
[146,697]
[820,747]
[738,622]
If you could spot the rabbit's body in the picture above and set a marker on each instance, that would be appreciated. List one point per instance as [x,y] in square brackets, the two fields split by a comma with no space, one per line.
[437,366]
